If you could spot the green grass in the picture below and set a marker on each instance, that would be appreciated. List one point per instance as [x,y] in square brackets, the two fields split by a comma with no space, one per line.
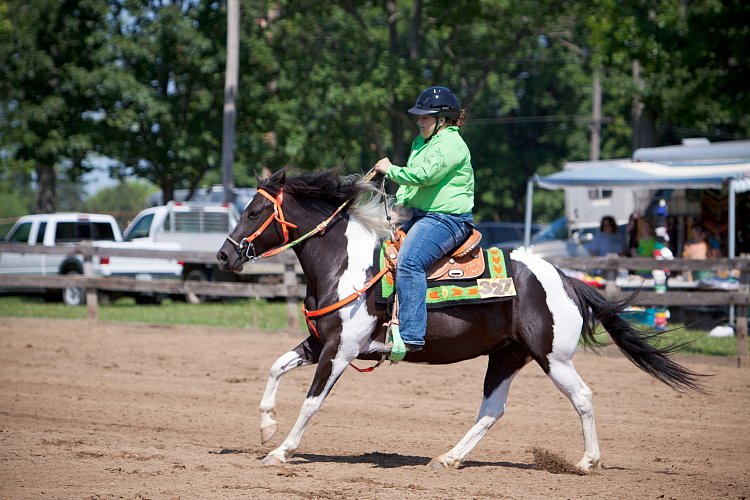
[692,341]
[264,315]
[245,313]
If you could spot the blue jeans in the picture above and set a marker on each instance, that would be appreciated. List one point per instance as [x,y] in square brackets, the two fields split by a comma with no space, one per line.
[431,235]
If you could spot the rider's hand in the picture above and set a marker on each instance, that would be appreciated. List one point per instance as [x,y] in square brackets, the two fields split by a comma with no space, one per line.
[382,165]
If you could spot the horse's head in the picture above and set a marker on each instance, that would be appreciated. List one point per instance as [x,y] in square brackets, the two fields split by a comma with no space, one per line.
[261,228]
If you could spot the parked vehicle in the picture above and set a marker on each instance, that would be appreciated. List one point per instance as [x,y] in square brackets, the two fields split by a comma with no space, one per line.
[193,226]
[555,240]
[495,232]
[68,228]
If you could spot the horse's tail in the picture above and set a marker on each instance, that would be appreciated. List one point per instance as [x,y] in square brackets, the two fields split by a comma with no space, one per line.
[640,347]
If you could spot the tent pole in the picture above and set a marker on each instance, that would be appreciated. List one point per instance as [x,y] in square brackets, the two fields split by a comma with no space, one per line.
[732,208]
[732,236]
[529,208]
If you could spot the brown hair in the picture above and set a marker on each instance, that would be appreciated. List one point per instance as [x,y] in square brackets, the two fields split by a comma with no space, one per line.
[459,122]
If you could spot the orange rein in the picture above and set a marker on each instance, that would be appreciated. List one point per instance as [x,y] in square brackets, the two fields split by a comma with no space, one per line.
[341,303]
[278,216]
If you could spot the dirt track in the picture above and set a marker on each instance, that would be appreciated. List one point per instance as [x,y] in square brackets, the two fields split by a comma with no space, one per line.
[130,411]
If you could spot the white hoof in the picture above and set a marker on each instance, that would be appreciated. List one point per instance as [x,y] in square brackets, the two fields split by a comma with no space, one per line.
[272,459]
[587,464]
[442,462]
[267,432]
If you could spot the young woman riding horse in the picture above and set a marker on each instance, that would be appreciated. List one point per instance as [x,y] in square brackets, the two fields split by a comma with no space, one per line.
[437,184]
[335,243]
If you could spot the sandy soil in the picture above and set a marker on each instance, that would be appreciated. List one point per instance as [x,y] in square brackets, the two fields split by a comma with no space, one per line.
[133,411]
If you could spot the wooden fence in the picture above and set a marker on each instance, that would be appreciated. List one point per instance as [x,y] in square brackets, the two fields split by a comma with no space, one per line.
[290,287]
[283,266]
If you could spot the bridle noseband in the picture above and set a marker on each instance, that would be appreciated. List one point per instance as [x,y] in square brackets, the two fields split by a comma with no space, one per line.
[246,247]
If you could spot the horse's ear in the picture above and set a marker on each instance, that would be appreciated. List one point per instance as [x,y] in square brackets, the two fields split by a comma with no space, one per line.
[265,173]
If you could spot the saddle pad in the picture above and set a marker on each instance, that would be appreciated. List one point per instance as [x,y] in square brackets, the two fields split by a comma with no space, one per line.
[495,284]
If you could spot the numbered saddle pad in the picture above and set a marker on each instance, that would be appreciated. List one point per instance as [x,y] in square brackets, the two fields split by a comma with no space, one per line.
[495,284]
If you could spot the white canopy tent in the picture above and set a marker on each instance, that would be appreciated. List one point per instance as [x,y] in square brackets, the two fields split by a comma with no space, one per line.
[701,166]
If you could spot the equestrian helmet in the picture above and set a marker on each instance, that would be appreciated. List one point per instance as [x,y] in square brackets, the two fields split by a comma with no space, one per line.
[437,101]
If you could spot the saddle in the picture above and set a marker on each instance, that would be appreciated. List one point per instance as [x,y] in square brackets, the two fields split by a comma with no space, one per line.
[466,261]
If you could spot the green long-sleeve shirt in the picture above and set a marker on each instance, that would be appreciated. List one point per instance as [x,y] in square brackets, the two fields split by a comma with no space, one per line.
[438,176]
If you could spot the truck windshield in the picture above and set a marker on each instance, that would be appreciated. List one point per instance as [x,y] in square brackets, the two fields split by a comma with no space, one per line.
[21,234]
[140,229]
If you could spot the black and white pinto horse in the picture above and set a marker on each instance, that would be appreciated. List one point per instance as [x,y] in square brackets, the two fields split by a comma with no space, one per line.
[335,248]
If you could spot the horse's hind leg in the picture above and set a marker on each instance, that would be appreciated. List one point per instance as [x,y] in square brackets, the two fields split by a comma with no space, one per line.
[502,366]
[331,365]
[564,375]
[306,353]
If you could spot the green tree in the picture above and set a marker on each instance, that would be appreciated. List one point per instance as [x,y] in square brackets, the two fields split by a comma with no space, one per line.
[163,112]
[49,60]
[123,200]
[674,69]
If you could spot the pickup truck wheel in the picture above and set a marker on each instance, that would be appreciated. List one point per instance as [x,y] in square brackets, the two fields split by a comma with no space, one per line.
[73,296]
[194,298]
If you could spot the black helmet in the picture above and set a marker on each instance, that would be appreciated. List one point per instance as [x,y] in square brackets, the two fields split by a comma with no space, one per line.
[437,101]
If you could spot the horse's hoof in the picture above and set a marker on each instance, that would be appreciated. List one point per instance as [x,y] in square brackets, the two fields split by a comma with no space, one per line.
[272,460]
[587,465]
[442,462]
[266,433]
[437,464]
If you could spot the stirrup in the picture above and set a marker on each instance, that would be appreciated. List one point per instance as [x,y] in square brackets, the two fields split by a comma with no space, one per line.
[398,349]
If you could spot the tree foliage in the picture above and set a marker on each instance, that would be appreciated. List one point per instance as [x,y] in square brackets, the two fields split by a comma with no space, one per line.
[49,61]
[164,103]
[329,83]
[123,200]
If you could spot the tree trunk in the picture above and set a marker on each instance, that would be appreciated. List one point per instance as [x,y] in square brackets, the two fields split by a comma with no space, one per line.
[415,46]
[397,127]
[644,131]
[45,191]
[167,190]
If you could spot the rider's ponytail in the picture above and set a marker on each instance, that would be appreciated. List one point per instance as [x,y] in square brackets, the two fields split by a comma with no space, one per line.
[461,118]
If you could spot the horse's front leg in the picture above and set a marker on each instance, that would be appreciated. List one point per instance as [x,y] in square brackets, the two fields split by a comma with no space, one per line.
[306,353]
[332,363]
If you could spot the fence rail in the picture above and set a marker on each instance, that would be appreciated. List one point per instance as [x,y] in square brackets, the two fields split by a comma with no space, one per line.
[285,266]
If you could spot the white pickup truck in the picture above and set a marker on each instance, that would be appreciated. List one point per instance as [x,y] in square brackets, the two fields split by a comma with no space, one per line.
[193,226]
[68,228]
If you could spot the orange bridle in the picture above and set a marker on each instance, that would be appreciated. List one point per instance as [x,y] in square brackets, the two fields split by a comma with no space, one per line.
[246,244]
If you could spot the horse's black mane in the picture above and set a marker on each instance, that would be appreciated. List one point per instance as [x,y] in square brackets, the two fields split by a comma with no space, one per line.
[328,185]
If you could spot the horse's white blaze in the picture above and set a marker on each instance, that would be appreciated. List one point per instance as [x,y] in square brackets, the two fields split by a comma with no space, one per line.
[567,321]
[356,322]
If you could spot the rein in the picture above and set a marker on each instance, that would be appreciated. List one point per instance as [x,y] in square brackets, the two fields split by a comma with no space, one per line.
[246,246]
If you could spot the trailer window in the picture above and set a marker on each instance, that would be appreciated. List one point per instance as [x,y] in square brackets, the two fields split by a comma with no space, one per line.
[600,194]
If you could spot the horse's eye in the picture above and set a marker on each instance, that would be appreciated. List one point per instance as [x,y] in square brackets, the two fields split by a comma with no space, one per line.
[253,214]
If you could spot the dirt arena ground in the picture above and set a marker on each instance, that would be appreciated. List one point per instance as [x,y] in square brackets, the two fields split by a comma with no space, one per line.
[134,411]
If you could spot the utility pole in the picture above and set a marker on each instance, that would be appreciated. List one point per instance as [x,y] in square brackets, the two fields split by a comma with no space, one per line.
[596,119]
[231,81]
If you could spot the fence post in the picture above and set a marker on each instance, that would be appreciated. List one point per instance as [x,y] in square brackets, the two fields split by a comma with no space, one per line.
[92,300]
[741,333]
[292,303]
